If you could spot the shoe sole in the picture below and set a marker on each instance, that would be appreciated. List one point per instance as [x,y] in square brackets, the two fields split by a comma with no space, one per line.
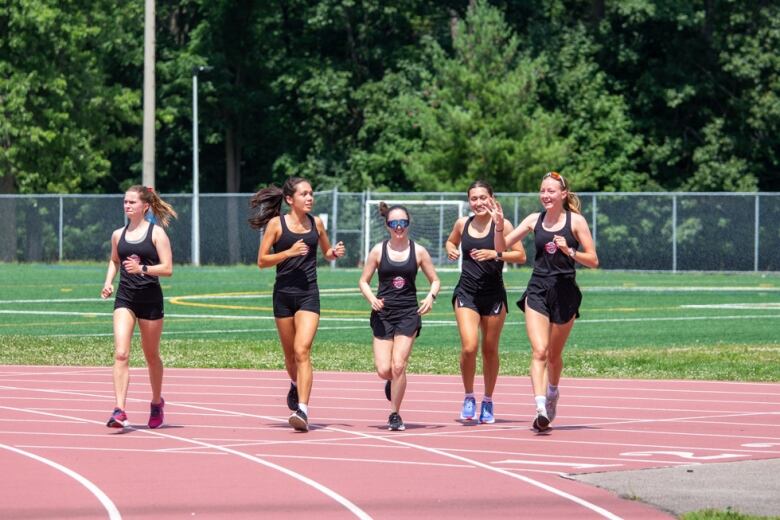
[398,429]
[298,423]
[112,423]
[487,421]
[467,418]
[157,426]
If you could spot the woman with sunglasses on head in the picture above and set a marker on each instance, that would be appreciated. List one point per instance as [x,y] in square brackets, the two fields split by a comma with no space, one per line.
[479,299]
[552,299]
[141,254]
[395,311]
[290,243]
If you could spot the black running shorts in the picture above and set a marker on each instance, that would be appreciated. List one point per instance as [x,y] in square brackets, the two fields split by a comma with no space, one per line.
[145,304]
[387,324]
[287,304]
[487,304]
[557,297]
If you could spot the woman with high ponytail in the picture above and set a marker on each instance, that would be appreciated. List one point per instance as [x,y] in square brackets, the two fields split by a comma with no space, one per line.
[552,299]
[290,243]
[141,254]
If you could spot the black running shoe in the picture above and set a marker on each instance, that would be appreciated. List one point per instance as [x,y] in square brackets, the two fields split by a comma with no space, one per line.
[395,423]
[299,421]
[292,398]
[541,421]
[387,389]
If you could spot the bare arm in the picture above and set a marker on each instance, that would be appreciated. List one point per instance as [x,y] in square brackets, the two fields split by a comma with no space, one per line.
[113,267]
[425,263]
[453,241]
[370,267]
[587,254]
[330,253]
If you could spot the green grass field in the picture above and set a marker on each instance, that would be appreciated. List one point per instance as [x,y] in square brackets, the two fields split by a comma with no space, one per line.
[638,325]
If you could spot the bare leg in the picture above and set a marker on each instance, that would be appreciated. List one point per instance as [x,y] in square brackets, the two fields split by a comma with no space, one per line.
[151,330]
[124,323]
[402,348]
[306,324]
[538,328]
[468,326]
[491,334]
[286,329]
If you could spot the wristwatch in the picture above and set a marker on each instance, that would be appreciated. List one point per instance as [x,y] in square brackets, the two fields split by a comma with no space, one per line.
[144,268]
[499,256]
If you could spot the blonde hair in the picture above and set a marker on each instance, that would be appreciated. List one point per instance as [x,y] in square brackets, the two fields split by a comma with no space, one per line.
[162,211]
[572,201]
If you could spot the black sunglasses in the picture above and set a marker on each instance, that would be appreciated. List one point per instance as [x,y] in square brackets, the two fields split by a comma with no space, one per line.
[400,223]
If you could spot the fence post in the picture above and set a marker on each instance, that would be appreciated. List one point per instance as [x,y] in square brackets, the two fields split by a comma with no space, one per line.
[59,232]
[366,223]
[594,226]
[674,233]
[334,217]
[756,234]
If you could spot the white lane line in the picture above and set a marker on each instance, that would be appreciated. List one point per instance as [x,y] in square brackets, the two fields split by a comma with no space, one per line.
[108,504]
[354,509]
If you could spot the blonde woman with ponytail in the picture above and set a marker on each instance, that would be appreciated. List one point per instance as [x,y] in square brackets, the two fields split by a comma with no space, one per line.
[552,299]
[141,254]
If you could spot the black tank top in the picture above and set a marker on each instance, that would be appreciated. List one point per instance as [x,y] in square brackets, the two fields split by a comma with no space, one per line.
[397,280]
[479,277]
[549,260]
[299,273]
[147,255]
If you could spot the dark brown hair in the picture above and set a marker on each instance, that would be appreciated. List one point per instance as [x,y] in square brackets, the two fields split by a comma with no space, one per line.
[385,210]
[267,203]
[480,184]
[162,211]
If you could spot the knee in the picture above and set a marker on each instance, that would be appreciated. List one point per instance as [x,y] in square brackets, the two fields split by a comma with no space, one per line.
[539,354]
[490,351]
[398,369]
[121,356]
[468,350]
[384,372]
[302,355]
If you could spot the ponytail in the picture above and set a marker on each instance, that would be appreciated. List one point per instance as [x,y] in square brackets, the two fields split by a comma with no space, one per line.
[161,210]
[267,203]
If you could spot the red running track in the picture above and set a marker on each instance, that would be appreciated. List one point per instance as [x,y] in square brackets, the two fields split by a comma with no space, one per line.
[226,448]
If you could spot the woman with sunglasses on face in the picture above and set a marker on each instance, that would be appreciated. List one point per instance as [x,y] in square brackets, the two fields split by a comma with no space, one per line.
[141,254]
[552,299]
[479,299]
[395,312]
[290,243]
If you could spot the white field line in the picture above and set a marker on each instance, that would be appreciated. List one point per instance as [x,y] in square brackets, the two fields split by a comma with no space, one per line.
[108,504]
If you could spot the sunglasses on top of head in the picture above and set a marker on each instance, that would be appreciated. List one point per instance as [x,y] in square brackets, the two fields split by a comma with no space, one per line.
[557,176]
[400,223]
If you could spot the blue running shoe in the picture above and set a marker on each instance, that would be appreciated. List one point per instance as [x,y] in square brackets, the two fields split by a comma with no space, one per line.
[486,413]
[469,409]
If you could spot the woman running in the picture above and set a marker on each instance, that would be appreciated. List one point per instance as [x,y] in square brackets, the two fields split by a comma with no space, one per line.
[479,299]
[395,312]
[140,253]
[290,243]
[552,299]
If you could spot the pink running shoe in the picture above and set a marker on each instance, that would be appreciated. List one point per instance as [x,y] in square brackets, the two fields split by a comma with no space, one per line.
[118,419]
[157,415]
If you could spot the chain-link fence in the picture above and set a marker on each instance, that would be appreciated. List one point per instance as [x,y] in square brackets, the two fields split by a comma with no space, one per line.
[643,231]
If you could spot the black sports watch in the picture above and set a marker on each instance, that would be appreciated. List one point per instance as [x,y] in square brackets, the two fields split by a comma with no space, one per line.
[144,268]
[499,256]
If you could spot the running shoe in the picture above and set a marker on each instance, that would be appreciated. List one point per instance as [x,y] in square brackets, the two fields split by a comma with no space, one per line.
[541,421]
[292,397]
[552,405]
[156,415]
[486,413]
[395,423]
[387,389]
[469,409]
[299,421]
[118,419]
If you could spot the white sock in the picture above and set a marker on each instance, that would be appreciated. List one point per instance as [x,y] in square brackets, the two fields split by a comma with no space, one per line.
[304,408]
[471,395]
[487,399]
[541,403]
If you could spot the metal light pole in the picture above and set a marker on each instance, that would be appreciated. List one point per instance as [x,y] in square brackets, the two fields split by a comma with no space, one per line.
[195,172]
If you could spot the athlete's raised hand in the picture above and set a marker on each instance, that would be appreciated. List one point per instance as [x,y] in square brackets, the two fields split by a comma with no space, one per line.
[496,211]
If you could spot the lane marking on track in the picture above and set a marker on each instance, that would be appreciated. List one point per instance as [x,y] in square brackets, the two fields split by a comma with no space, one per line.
[108,504]
[688,455]
[354,509]
[575,465]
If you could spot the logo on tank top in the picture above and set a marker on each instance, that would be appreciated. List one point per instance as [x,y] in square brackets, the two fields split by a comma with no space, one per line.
[551,247]
[399,282]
